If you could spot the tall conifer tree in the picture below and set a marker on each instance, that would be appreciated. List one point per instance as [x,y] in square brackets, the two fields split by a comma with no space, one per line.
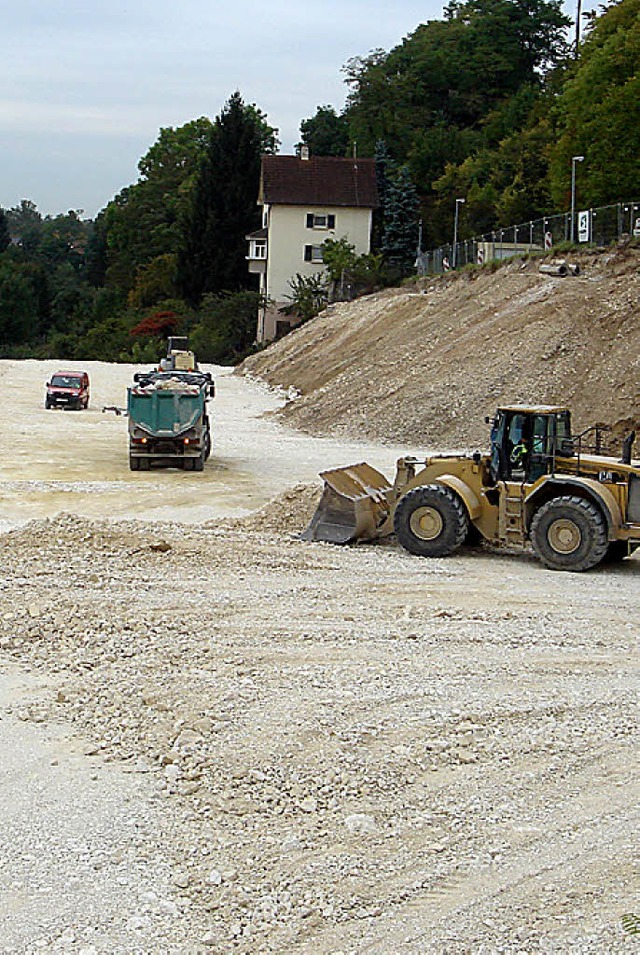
[224,207]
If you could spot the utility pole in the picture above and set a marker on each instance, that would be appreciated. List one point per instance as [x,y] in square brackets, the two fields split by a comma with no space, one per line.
[574,160]
[454,256]
[578,15]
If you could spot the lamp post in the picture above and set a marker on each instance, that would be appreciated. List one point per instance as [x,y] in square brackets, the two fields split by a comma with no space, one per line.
[574,160]
[455,233]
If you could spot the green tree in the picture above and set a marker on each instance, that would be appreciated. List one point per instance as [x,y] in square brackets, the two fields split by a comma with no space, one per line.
[155,281]
[452,89]
[143,220]
[18,307]
[225,328]
[25,225]
[400,236]
[223,208]
[5,235]
[594,110]
[326,133]
[309,295]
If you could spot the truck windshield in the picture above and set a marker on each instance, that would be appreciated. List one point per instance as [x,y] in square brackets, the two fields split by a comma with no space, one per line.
[65,381]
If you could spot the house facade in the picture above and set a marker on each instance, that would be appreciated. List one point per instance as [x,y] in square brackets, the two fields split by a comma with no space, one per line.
[306,200]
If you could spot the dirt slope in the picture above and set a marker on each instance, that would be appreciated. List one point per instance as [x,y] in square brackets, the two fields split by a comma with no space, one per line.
[424,365]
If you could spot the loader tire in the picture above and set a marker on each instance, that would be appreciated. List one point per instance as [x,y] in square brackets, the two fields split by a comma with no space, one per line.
[569,533]
[431,521]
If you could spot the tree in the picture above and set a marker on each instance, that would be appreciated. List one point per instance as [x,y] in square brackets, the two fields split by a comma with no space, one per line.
[309,295]
[223,208]
[593,112]
[226,327]
[326,133]
[18,307]
[143,220]
[351,274]
[400,236]
[25,225]
[5,236]
[428,97]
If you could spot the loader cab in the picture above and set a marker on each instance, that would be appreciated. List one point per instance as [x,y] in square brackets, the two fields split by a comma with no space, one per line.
[525,442]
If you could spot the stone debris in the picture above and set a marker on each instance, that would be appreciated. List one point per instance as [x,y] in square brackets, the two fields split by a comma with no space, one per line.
[352,750]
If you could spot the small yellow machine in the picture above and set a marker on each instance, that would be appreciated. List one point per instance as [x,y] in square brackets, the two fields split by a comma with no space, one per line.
[575,504]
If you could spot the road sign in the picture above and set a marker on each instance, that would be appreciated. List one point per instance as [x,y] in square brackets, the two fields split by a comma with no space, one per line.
[584,226]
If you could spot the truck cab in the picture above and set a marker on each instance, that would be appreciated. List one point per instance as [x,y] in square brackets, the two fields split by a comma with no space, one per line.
[526,440]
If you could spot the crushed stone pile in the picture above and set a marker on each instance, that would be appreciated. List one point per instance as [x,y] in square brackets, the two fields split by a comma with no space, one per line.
[289,513]
[424,364]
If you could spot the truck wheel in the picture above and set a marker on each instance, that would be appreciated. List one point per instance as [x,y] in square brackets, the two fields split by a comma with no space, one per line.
[134,463]
[143,464]
[431,521]
[198,463]
[569,533]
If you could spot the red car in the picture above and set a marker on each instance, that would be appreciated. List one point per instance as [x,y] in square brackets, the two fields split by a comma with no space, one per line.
[68,389]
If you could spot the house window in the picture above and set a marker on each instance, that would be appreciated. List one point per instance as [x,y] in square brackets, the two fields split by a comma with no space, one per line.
[313,253]
[314,221]
[259,250]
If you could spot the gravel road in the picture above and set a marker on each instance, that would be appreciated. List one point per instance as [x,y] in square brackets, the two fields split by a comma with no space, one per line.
[220,739]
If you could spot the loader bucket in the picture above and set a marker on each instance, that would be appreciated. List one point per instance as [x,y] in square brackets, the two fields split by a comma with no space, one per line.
[355,504]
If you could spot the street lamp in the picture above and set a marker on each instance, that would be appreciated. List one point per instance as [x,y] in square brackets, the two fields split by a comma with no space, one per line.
[455,232]
[574,160]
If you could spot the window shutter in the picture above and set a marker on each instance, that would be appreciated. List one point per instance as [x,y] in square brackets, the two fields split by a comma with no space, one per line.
[309,220]
[331,222]
[308,252]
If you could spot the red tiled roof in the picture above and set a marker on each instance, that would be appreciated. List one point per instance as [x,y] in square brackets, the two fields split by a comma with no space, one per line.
[319,181]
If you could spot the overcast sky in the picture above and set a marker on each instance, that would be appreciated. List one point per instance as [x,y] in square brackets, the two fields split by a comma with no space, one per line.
[85,86]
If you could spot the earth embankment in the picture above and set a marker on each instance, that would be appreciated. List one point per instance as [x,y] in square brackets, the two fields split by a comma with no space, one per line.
[425,364]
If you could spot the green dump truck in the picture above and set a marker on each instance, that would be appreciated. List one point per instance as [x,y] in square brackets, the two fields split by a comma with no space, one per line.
[168,421]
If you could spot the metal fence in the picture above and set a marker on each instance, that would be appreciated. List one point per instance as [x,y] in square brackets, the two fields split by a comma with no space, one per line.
[595,227]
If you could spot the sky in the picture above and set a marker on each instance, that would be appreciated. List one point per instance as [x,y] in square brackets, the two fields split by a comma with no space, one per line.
[86,86]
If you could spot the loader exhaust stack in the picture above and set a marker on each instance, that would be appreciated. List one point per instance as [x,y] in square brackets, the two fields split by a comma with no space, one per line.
[356,503]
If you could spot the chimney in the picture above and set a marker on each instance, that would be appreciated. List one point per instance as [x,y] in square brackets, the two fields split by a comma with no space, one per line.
[304,153]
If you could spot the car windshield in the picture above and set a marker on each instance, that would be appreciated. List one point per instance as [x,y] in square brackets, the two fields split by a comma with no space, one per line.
[65,381]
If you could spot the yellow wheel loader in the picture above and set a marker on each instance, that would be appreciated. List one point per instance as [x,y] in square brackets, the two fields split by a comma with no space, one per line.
[574,503]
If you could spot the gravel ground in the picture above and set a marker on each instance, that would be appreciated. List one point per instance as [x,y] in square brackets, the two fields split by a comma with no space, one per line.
[232,741]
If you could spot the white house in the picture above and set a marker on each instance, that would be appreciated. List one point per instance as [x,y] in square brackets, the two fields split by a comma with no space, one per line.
[306,200]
